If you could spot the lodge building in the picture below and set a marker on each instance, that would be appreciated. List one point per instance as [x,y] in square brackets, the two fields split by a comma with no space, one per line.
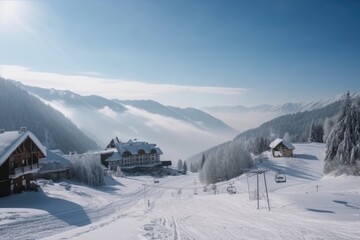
[20,152]
[128,155]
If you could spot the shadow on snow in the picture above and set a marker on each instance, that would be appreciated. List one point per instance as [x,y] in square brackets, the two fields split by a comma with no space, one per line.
[66,211]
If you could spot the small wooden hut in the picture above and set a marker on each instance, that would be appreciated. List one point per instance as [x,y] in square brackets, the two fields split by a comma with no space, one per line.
[281,148]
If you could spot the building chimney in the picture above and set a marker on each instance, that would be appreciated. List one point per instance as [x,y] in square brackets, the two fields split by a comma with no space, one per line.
[22,129]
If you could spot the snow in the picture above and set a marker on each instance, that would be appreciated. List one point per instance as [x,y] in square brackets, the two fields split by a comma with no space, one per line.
[307,206]
[277,141]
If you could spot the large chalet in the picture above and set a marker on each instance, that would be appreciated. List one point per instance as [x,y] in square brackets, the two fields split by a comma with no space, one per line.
[20,152]
[131,155]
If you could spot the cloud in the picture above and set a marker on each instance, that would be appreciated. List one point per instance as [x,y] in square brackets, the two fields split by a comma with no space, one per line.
[123,89]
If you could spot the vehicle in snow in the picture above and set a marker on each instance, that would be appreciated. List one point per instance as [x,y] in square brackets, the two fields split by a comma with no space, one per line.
[280,177]
[231,189]
[205,189]
[195,192]
[156,180]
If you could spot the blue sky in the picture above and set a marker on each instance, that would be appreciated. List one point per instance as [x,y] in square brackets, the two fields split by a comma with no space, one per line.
[267,51]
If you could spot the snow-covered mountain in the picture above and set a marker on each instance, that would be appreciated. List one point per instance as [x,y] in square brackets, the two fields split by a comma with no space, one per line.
[281,108]
[18,108]
[169,127]
[243,118]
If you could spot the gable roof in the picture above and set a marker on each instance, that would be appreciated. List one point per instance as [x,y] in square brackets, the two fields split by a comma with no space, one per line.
[277,141]
[115,157]
[11,140]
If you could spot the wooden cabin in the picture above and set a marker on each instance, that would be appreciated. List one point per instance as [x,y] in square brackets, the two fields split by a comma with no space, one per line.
[20,152]
[281,148]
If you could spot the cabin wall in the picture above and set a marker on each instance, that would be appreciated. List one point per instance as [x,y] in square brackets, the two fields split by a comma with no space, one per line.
[4,170]
[4,179]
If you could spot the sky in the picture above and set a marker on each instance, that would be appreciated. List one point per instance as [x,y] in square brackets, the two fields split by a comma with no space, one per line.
[185,53]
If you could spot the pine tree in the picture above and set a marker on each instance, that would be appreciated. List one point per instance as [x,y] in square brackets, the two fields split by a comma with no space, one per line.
[179,164]
[316,133]
[342,145]
[185,167]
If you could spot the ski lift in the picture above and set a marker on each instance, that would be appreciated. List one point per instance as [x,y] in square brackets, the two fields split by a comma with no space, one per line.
[231,189]
[195,192]
[280,177]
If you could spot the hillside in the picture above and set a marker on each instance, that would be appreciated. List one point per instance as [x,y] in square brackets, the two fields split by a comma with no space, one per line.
[297,125]
[55,131]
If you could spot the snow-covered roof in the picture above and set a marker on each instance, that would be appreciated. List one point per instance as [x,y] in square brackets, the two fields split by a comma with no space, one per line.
[277,141]
[134,147]
[58,152]
[53,156]
[114,157]
[10,140]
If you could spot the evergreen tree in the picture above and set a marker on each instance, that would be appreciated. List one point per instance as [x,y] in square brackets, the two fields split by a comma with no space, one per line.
[316,133]
[185,167]
[342,145]
[202,161]
[328,126]
[180,164]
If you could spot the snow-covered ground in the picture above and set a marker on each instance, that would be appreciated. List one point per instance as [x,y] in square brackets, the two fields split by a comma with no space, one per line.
[306,206]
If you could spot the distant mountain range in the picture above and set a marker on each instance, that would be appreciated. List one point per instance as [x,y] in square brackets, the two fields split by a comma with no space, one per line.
[180,132]
[20,109]
[281,108]
[243,118]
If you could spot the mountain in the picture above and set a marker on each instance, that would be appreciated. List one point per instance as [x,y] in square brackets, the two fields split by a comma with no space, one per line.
[19,108]
[243,118]
[238,109]
[194,116]
[169,127]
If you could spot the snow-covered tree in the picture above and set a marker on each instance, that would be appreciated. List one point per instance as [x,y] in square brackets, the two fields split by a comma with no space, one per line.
[179,164]
[343,143]
[225,162]
[316,133]
[119,173]
[87,168]
[201,170]
[185,167]
[328,126]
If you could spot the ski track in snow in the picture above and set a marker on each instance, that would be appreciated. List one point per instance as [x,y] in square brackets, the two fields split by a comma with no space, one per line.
[307,206]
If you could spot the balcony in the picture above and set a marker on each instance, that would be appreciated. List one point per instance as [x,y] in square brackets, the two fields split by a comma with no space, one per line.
[16,172]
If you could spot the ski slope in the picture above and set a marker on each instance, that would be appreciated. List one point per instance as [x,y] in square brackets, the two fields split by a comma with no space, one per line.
[307,206]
